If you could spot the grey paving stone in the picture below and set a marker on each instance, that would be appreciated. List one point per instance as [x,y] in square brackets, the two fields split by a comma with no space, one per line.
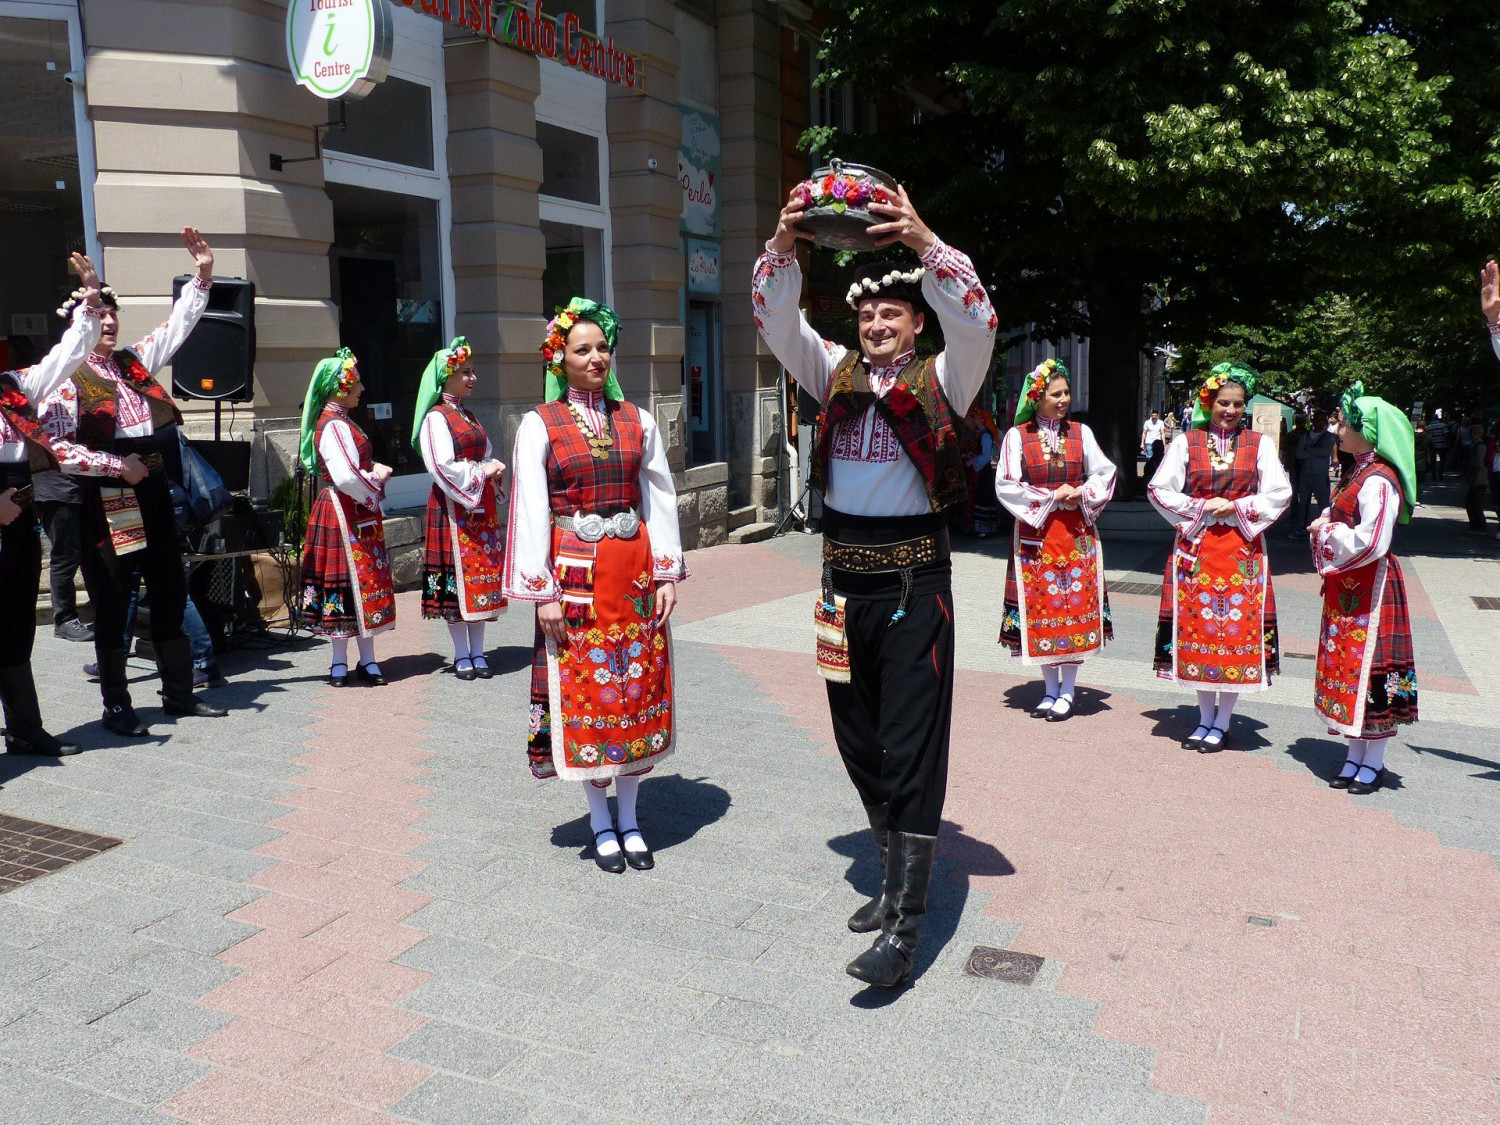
[744,982]
[38,1099]
[50,1043]
[79,994]
[178,972]
[197,857]
[462,1050]
[199,931]
[129,910]
[445,1099]
[137,1072]
[555,979]
[457,957]
[1091,1101]
[101,947]
[652,1002]
[163,1021]
[20,967]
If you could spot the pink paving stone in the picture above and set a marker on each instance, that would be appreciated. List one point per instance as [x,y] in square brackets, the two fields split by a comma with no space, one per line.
[254,1045]
[291,915]
[366,1078]
[311,850]
[358,933]
[281,954]
[280,1000]
[362,784]
[365,978]
[375,1027]
[232,1097]
[395,841]
[742,576]
[317,822]
[379,867]
[298,880]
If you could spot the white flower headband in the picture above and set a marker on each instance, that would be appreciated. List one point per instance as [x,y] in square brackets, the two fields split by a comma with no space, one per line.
[869,287]
[65,310]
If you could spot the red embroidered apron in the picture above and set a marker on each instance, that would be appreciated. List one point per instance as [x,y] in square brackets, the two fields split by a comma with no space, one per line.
[1366,676]
[1057,611]
[464,559]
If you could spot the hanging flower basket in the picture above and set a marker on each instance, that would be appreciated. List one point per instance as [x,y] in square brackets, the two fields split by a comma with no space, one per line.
[838,197]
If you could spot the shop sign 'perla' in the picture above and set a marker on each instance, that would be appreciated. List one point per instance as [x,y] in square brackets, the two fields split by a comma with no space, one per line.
[339,48]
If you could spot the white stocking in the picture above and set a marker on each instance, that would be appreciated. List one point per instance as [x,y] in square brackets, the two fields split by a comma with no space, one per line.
[460,634]
[476,644]
[1069,673]
[1207,701]
[1375,754]
[1049,680]
[627,789]
[1356,756]
[1227,700]
[367,655]
[340,652]
[599,819]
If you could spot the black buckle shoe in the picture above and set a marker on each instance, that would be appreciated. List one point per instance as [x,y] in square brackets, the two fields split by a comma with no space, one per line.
[374,679]
[468,673]
[1044,708]
[884,965]
[121,719]
[641,861]
[334,678]
[193,709]
[1358,788]
[483,671]
[614,864]
[1342,782]
[41,745]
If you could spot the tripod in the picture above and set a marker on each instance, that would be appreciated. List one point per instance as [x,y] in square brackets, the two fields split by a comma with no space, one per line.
[800,508]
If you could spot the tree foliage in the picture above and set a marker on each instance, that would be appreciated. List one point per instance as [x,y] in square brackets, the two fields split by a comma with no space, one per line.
[1264,176]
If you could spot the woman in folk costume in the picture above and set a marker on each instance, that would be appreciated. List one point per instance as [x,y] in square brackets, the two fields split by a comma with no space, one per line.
[1367,673]
[465,550]
[346,578]
[1055,480]
[978,515]
[593,539]
[1221,487]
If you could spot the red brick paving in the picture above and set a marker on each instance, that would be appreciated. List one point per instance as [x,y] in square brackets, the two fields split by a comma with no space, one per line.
[739,577]
[315,1006]
[1376,995]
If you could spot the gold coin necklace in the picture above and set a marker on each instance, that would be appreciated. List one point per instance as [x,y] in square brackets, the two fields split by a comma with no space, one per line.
[599,444]
[1221,461]
[1053,442]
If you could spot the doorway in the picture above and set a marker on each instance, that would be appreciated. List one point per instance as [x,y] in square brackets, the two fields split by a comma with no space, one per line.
[701,379]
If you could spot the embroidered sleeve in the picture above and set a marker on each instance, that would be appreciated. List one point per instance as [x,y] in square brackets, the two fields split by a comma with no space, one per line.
[45,376]
[1272,497]
[1167,495]
[775,288]
[158,348]
[1029,504]
[341,458]
[462,481]
[659,506]
[1338,547]
[963,308]
[1099,488]
[528,536]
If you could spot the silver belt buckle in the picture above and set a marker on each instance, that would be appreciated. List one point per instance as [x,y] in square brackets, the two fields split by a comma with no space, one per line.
[590,528]
[625,524]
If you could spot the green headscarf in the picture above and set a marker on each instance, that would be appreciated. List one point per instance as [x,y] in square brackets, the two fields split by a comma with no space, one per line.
[324,385]
[1222,373]
[1390,432]
[434,379]
[1036,386]
[555,383]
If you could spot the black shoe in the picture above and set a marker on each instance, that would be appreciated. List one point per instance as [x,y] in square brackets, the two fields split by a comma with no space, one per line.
[482,670]
[1194,741]
[869,917]
[73,630]
[374,679]
[336,679]
[207,677]
[193,709]
[1359,787]
[884,965]
[888,962]
[121,719]
[91,673]
[1044,708]
[465,673]
[41,745]
[1056,716]
[614,864]
[641,861]
[1207,747]
[1342,782]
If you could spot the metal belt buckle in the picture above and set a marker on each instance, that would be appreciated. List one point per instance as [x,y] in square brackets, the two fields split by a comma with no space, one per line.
[590,528]
[625,524]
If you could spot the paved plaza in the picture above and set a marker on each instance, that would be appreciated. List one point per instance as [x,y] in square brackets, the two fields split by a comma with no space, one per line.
[357,906]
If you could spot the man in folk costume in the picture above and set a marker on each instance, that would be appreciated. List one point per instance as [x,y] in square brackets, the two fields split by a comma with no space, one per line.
[124,414]
[889,464]
[1367,670]
[465,546]
[25,449]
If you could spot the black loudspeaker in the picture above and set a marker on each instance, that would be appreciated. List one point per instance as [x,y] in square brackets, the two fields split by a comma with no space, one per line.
[217,361]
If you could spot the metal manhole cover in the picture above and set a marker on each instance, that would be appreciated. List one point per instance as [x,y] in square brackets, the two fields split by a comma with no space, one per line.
[1003,964]
[1149,589]
[30,849]
[1485,603]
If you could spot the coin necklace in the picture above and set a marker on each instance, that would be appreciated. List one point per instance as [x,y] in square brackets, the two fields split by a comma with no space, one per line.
[599,444]
[1053,442]
[1221,461]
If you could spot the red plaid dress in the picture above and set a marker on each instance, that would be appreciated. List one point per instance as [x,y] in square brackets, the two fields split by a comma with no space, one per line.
[1367,671]
[464,548]
[1216,626]
[346,578]
[1063,544]
[601,704]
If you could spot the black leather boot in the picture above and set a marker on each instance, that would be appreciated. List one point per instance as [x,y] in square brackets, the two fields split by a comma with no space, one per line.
[888,962]
[24,733]
[119,716]
[869,916]
[174,661]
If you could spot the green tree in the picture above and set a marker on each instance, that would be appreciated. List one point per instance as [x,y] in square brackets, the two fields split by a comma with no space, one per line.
[1147,171]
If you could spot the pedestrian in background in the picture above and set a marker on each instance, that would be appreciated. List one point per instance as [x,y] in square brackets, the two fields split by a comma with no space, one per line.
[1153,442]
[1492,464]
[1315,450]
[1439,436]
[1423,455]
[1476,478]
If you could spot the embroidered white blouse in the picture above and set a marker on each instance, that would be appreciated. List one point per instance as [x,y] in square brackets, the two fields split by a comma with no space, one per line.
[45,376]
[869,473]
[1033,504]
[1339,547]
[1189,515]
[529,571]
[462,481]
[340,457]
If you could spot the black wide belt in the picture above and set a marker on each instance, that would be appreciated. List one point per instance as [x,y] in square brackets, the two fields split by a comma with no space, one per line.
[874,545]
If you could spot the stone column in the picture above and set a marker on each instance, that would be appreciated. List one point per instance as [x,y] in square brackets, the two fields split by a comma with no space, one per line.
[750,114]
[495,169]
[188,100]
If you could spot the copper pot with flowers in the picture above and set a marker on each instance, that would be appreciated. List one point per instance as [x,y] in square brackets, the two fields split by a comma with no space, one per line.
[837,199]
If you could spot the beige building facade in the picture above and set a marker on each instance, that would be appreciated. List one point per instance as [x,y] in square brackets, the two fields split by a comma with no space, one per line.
[477,186]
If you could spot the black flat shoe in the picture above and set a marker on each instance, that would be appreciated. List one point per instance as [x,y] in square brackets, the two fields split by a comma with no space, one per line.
[1344,782]
[1195,740]
[1358,788]
[1054,716]
[614,864]
[483,670]
[41,745]
[374,679]
[884,965]
[1044,708]
[123,720]
[1207,747]
[336,680]
[465,673]
[641,861]
[194,709]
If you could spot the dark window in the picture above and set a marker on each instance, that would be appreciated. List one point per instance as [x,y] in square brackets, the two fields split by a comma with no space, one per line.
[393,123]
[570,163]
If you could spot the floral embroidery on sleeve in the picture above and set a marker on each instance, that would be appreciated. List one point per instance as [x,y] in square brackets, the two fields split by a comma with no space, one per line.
[954,274]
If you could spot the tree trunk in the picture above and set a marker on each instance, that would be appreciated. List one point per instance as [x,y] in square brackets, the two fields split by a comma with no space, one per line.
[1116,341]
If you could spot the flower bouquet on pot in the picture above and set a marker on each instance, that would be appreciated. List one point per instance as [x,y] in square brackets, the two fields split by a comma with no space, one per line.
[838,196]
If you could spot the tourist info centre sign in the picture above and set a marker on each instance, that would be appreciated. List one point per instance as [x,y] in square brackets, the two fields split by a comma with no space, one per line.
[339,48]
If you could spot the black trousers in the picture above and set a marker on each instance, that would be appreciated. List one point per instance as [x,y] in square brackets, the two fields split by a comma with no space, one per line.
[891,721]
[62,520]
[20,575]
